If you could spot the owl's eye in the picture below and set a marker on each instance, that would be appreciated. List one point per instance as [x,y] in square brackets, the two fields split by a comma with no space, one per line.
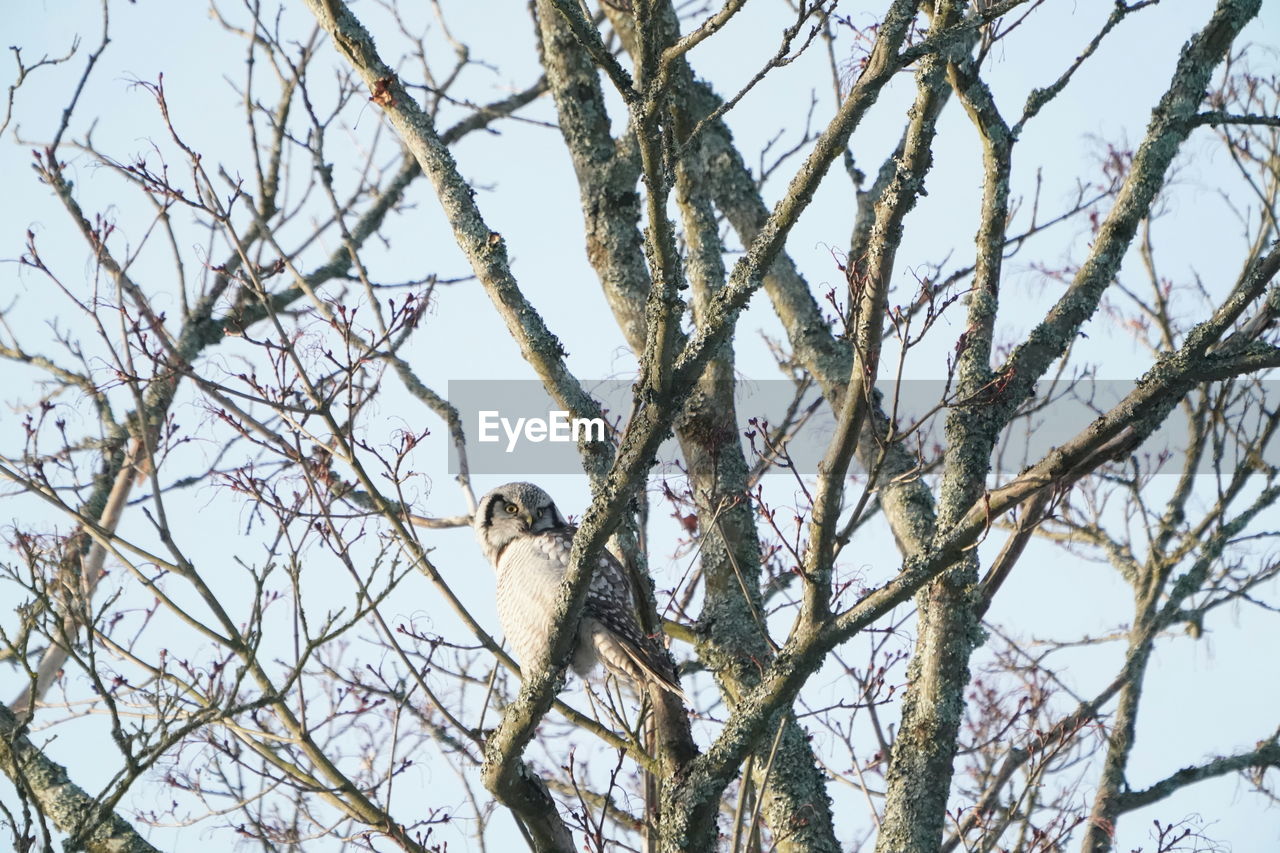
[511,509]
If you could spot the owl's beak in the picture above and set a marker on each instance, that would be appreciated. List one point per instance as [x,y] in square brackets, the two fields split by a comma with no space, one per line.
[528,520]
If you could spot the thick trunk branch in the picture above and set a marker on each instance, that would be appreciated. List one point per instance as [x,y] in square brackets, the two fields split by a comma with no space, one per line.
[90,826]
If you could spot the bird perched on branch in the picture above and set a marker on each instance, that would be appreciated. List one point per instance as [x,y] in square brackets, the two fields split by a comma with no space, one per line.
[528,541]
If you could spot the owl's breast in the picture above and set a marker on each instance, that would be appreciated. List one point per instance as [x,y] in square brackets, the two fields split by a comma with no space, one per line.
[530,570]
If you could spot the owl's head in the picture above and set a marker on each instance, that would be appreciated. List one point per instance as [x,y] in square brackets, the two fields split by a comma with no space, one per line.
[511,511]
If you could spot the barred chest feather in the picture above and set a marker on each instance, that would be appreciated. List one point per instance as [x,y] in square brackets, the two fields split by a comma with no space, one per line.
[528,581]
[530,571]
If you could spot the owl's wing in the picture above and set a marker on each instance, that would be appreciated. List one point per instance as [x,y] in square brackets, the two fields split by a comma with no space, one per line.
[614,629]
[624,646]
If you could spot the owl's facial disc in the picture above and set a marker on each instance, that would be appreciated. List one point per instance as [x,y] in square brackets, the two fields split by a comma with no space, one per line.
[516,509]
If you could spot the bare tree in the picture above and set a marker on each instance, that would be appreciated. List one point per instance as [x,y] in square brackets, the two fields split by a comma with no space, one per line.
[234,603]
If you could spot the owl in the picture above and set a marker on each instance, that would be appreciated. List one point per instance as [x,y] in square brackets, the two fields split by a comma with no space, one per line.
[527,540]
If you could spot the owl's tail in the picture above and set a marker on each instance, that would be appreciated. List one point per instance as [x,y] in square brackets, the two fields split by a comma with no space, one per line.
[632,660]
[655,670]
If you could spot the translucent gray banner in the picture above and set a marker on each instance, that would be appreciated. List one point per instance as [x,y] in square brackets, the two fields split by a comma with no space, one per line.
[514,428]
